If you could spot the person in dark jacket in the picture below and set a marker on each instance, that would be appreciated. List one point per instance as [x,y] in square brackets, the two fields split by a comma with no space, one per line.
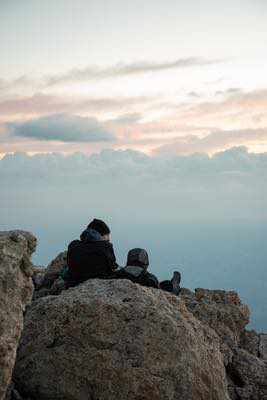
[136,269]
[92,256]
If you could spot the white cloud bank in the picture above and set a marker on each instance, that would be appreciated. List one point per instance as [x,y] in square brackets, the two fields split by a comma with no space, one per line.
[128,184]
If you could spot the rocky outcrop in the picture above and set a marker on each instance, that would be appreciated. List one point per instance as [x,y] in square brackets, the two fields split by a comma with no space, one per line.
[223,312]
[263,346]
[47,280]
[38,276]
[247,376]
[16,290]
[112,339]
[244,351]
[250,341]
[53,269]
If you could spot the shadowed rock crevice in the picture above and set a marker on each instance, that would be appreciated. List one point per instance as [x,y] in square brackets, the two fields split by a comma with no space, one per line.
[234,376]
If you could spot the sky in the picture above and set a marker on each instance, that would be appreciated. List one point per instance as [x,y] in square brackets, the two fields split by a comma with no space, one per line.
[174,77]
[150,115]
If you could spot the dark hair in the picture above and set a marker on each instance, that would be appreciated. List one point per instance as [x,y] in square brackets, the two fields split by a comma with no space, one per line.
[99,226]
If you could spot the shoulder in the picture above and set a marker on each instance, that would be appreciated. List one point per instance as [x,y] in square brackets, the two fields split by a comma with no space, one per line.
[73,244]
[106,246]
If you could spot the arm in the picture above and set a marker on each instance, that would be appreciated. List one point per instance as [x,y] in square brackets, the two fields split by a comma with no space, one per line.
[112,259]
[153,281]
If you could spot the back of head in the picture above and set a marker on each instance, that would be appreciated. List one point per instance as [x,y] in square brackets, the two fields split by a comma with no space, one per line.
[99,226]
[138,257]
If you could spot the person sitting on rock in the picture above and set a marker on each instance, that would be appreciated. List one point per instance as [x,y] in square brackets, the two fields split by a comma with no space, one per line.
[92,256]
[136,269]
[173,285]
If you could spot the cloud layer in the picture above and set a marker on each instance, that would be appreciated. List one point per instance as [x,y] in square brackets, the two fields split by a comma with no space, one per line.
[95,73]
[235,175]
[64,128]
[146,123]
[120,70]
[213,142]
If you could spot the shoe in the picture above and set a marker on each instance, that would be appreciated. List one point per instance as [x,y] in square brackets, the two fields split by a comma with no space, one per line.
[176,279]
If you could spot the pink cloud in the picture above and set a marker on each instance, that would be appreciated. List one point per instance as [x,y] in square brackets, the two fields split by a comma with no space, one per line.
[215,141]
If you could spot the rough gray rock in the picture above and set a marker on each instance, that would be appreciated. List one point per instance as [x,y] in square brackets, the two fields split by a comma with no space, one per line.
[16,290]
[222,311]
[47,281]
[247,376]
[263,346]
[38,276]
[53,269]
[112,339]
[250,341]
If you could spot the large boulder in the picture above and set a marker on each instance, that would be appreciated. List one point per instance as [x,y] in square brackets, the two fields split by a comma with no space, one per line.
[115,340]
[16,290]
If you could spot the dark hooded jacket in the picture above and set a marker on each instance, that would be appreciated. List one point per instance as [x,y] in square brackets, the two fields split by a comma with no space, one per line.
[90,257]
[137,274]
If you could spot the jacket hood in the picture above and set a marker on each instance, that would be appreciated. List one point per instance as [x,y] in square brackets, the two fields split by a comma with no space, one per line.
[134,270]
[90,235]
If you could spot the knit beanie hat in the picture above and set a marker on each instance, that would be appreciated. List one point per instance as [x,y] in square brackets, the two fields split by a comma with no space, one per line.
[138,257]
[99,226]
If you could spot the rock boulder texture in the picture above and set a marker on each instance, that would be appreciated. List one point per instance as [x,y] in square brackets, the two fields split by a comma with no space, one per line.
[16,289]
[247,376]
[263,346]
[112,339]
[221,310]
[47,281]
[245,352]
[53,269]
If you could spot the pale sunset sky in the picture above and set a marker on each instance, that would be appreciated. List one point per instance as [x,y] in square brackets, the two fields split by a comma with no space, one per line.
[162,77]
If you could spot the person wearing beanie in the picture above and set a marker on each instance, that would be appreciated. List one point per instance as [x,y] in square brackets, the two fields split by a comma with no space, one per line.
[92,256]
[136,269]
